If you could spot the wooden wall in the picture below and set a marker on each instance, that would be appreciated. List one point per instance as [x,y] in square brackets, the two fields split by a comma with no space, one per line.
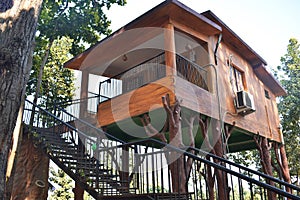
[136,102]
[264,121]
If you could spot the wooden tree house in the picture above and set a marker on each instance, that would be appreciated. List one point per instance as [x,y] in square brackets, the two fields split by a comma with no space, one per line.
[177,91]
[193,57]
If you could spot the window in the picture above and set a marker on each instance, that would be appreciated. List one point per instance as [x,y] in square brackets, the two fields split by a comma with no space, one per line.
[267,95]
[236,79]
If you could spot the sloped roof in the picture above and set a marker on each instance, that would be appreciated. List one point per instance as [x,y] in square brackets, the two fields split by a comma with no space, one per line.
[206,22]
[257,62]
[156,17]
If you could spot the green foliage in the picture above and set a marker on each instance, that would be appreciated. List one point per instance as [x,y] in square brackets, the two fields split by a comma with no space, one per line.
[57,81]
[288,107]
[60,178]
[247,158]
[67,26]
[80,20]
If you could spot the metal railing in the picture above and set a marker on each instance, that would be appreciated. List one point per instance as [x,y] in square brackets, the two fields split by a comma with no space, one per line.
[142,74]
[144,167]
[150,71]
[77,107]
[151,168]
[191,72]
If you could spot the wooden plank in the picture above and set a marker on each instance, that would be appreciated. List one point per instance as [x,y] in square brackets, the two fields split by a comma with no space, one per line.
[262,122]
[196,98]
[170,51]
[202,101]
[136,102]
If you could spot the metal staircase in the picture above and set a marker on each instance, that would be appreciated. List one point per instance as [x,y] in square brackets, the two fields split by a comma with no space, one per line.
[109,168]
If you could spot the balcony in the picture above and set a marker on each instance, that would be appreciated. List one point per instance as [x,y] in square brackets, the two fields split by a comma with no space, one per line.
[148,72]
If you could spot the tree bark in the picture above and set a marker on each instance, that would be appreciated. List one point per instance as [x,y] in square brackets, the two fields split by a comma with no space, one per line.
[11,166]
[221,176]
[31,175]
[266,160]
[285,167]
[179,166]
[282,161]
[78,192]
[18,21]
[217,149]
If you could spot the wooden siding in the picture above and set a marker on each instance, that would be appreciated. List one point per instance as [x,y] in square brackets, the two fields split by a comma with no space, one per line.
[265,120]
[136,102]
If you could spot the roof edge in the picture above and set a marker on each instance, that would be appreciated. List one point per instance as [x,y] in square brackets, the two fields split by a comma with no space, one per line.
[209,12]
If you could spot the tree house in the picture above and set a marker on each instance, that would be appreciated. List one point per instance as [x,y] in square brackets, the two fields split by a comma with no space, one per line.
[194,57]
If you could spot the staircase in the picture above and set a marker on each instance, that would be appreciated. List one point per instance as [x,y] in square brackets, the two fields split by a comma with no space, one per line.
[108,168]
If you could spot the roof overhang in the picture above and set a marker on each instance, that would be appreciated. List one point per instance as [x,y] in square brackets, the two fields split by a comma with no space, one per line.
[256,61]
[269,80]
[125,39]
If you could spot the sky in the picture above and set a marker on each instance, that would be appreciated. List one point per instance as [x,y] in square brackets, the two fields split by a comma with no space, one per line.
[265,25]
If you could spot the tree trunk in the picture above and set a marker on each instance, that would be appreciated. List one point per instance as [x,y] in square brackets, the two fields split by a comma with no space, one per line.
[179,167]
[39,81]
[221,176]
[18,21]
[31,175]
[17,138]
[266,160]
[285,167]
[78,192]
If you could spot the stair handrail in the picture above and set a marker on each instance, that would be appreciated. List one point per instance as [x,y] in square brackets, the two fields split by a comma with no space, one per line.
[221,167]
[246,169]
[74,128]
[196,157]
[78,99]
[57,106]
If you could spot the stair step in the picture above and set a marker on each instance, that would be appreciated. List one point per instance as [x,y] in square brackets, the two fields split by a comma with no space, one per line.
[63,143]
[74,157]
[85,161]
[68,152]
[56,141]
[85,167]
[63,148]
[56,138]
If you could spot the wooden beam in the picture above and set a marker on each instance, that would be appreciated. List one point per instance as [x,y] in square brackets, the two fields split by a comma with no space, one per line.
[170,50]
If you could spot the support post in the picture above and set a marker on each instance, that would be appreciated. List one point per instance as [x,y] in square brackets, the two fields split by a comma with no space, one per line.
[78,190]
[84,93]
[170,50]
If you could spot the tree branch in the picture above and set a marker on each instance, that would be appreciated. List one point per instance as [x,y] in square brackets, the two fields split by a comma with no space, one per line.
[150,130]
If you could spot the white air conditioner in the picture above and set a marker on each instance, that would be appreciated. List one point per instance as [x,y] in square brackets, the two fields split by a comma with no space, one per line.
[244,103]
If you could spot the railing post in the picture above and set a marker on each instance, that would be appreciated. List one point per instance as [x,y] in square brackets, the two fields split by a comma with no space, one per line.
[84,93]
[97,161]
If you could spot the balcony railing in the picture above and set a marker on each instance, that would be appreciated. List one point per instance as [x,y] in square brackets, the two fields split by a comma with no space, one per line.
[150,71]
[191,72]
[138,76]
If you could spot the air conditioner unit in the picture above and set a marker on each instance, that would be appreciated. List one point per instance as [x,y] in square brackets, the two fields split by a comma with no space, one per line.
[244,103]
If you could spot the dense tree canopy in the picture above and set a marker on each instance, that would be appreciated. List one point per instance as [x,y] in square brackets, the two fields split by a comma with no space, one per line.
[79,21]
[76,24]
[289,105]
[58,82]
